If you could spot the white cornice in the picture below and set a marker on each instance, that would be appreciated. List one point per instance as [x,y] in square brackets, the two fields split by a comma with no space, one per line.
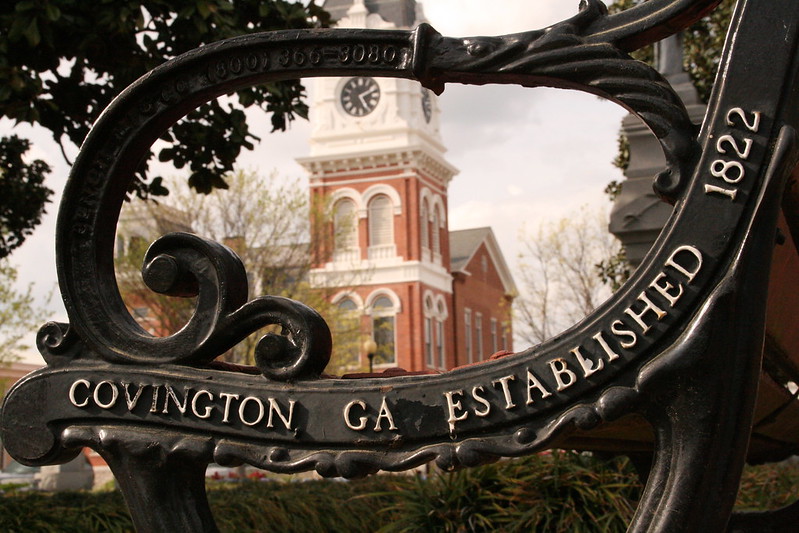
[370,273]
[337,143]
[439,188]
[414,157]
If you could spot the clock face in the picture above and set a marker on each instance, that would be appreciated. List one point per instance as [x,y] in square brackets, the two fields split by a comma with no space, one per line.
[427,105]
[360,96]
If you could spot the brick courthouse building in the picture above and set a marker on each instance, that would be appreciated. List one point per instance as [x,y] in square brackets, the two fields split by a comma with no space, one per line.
[430,298]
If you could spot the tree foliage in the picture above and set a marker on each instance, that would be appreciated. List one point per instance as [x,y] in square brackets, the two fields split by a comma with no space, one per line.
[702,43]
[22,192]
[63,61]
[561,274]
[19,315]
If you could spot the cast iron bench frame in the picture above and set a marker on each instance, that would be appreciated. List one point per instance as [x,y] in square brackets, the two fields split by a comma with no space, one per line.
[679,344]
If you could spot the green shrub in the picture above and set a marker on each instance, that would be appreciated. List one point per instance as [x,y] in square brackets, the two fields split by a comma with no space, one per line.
[557,492]
[298,507]
[64,512]
[769,486]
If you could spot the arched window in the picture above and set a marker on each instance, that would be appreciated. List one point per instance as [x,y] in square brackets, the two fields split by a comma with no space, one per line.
[383,330]
[442,363]
[424,224]
[347,334]
[435,313]
[345,224]
[436,229]
[381,221]
[347,305]
[428,332]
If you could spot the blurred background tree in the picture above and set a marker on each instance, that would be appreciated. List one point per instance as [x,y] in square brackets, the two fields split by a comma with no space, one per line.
[19,315]
[267,221]
[22,193]
[560,276]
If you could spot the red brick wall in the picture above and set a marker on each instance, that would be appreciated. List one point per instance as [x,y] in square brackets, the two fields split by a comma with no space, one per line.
[409,324]
[483,293]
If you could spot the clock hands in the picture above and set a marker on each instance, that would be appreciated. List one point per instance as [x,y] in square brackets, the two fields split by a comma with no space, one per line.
[362,96]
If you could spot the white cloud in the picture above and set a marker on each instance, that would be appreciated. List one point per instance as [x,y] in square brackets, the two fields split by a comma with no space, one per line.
[515,190]
[497,17]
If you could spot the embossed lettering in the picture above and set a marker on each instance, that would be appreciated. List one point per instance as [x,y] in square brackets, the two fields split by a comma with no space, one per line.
[615,328]
[560,368]
[228,399]
[663,287]
[73,388]
[274,408]
[752,125]
[384,413]
[612,356]
[729,193]
[170,393]
[482,401]
[689,271]
[649,306]
[361,425]
[208,408]
[154,405]
[131,402]
[243,409]
[114,394]
[503,381]
[534,383]
[452,407]
[589,366]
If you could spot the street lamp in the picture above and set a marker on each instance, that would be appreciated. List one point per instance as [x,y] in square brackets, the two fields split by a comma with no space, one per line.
[370,347]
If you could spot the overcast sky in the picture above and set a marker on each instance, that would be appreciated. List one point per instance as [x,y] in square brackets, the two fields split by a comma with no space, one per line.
[524,155]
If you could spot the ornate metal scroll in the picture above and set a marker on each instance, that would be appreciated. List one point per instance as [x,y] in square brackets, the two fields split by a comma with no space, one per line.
[679,344]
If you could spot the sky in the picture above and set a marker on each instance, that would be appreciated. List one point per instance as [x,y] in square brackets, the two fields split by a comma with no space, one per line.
[525,155]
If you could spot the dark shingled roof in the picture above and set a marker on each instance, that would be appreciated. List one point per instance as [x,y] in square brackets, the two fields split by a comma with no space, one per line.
[463,244]
[400,12]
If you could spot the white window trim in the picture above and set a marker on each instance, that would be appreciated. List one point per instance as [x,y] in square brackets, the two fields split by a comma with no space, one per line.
[478,333]
[494,338]
[381,189]
[467,335]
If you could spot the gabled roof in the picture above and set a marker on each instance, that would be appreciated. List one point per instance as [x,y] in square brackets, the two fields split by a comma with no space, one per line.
[400,12]
[463,244]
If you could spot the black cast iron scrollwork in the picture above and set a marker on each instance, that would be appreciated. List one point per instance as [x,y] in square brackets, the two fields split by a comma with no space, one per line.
[562,56]
[565,56]
[655,349]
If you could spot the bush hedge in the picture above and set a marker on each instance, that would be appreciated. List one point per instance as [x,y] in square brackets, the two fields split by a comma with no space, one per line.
[557,492]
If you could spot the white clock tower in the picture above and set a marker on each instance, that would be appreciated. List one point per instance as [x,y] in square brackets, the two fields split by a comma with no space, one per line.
[357,114]
[377,157]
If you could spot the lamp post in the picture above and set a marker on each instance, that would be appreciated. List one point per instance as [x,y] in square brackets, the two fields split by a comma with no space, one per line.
[370,347]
